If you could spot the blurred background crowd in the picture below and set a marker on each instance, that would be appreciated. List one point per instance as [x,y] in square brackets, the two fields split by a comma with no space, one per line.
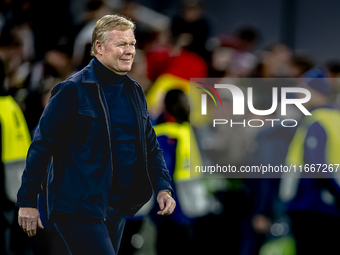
[44,42]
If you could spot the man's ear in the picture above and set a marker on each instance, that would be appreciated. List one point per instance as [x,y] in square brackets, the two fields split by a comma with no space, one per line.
[99,47]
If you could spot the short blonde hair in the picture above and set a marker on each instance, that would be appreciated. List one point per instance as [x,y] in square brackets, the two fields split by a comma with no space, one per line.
[106,24]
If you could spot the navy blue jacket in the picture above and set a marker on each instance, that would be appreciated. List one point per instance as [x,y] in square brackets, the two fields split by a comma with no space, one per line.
[74,135]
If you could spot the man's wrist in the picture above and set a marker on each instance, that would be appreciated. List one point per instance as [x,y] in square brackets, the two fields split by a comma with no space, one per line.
[169,191]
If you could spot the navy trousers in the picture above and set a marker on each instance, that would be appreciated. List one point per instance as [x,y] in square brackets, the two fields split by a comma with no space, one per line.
[88,236]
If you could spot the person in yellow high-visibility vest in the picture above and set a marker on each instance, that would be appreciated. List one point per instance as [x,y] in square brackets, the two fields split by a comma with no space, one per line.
[180,150]
[312,190]
[14,142]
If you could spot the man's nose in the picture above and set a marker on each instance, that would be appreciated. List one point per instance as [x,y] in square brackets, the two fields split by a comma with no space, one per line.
[130,50]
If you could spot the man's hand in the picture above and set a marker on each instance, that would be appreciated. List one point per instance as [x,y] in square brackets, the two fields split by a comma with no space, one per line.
[29,219]
[166,203]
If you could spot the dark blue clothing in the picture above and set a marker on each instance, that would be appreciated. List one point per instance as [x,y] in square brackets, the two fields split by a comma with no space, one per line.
[86,236]
[123,129]
[75,132]
[309,195]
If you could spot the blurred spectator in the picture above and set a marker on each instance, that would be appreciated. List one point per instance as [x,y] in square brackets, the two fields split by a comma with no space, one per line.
[157,54]
[82,43]
[333,69]
[243,39]
[23,28]
[277,59]
[180,152]
[184,63]
[175,66]
[193,23]
[14,13]
[16,69]
[235,55]
[275,62]
[166,58]
[3,198]
[14,142]
[55,66]
[11,57]
[301,64]
[313,196]
[148,22]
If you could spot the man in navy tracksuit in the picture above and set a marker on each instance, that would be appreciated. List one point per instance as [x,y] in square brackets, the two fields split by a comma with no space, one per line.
[104,158]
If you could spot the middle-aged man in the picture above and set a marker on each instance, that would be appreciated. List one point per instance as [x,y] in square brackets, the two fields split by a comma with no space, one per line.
[97,149]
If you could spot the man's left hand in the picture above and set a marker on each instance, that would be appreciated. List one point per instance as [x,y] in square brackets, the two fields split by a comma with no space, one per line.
[166,203]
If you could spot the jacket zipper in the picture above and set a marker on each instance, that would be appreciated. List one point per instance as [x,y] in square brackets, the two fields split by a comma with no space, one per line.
[109,135]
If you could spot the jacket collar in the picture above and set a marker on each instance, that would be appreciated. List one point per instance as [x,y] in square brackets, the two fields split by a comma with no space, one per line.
[90,76]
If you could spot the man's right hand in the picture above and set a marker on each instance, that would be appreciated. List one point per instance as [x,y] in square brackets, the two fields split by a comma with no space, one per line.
[29,219]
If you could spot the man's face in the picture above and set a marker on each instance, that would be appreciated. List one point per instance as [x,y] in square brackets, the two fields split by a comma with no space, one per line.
[119,51]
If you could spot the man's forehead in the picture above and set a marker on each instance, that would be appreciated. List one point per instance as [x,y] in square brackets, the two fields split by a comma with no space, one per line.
[122,35]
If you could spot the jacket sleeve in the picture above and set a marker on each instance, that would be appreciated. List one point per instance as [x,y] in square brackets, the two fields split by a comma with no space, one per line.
[52,129]
[158,172]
